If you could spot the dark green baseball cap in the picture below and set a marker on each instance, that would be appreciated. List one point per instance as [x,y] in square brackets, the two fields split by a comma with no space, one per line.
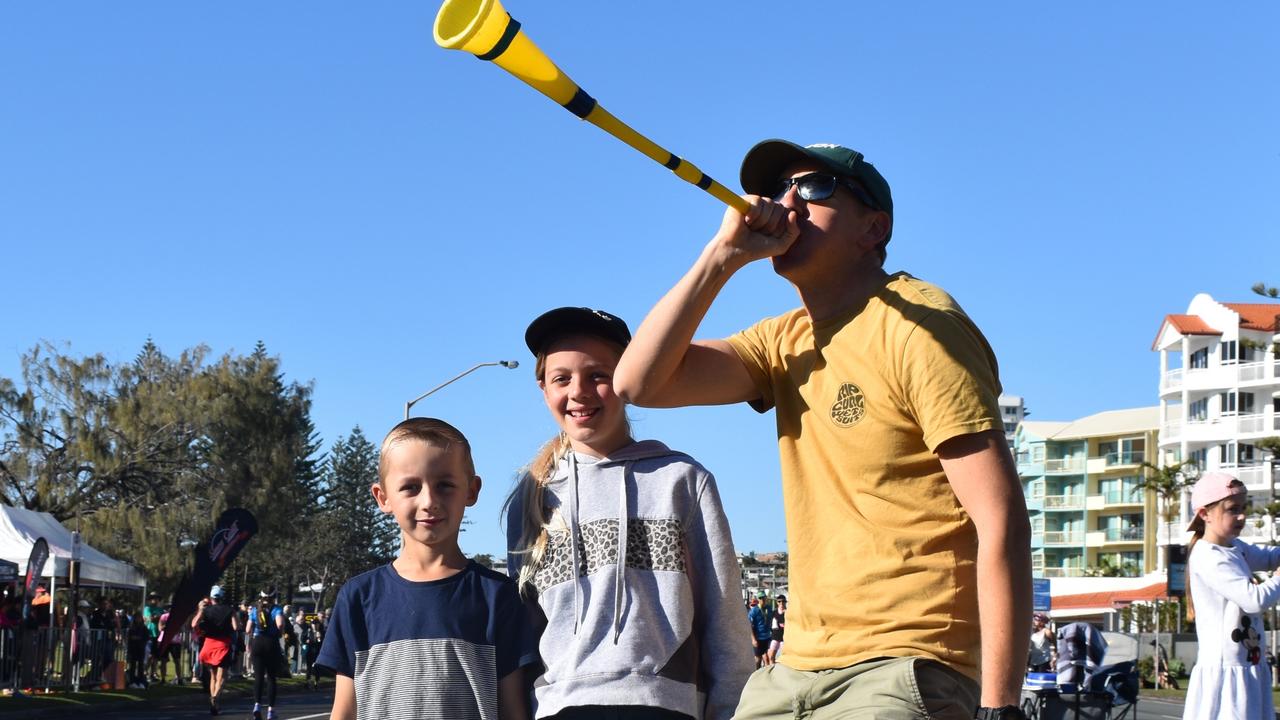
[765,163]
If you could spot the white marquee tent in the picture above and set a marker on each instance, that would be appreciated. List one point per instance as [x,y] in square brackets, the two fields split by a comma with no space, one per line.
[19,529]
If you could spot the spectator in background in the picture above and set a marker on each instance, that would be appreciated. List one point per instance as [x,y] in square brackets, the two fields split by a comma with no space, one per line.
[151,617]
[42,606]
[777,626]
[172,651]
[266,625]
[1043,654]
[243,638]
[137,638]
[297,624]
[312,636]
[217,624]
[761,634]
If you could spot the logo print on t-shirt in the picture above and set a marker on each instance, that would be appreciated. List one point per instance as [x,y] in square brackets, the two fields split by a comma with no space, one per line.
[849,407]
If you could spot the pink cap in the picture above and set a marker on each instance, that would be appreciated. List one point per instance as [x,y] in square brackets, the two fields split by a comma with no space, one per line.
[1209,489]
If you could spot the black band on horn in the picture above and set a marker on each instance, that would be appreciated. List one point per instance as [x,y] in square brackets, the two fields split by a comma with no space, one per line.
[704,182]
[581,105]
[513,29]
[672,162]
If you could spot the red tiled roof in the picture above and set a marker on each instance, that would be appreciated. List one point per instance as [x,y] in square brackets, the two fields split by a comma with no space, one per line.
[1110,598]
[1191,325]
[1186,325]
[1258,316]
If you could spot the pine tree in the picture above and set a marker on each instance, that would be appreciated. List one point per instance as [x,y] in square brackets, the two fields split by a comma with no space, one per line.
[351,535]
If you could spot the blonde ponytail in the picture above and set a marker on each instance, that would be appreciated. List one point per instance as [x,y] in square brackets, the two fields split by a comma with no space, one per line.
[534,518]
[1197,530]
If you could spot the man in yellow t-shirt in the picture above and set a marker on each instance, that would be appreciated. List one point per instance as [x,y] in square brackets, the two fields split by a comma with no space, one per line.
[908,536]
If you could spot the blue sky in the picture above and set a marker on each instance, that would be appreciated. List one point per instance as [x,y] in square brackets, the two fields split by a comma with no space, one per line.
[384,214]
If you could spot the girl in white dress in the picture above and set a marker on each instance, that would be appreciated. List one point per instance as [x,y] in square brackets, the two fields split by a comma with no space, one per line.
[1230,678]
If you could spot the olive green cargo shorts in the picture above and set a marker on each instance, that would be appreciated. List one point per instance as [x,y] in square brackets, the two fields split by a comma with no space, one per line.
[884,689]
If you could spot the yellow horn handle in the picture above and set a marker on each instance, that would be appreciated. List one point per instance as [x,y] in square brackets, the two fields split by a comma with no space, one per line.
[483,28]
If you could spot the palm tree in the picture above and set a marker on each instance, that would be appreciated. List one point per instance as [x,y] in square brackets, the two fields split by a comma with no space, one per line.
[1168,482]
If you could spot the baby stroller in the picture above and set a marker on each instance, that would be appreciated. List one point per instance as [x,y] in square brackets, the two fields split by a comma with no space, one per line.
[1087,689]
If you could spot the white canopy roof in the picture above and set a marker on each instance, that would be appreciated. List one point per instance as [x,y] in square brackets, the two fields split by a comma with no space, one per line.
[19,529]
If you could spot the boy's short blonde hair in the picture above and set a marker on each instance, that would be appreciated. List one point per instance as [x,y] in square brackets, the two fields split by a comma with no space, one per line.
[432,431]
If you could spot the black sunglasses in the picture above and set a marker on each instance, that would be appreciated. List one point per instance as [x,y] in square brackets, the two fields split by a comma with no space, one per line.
[820,186]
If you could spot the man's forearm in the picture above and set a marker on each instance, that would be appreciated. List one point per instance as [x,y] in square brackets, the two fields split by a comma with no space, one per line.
[660,343]
[1004,607]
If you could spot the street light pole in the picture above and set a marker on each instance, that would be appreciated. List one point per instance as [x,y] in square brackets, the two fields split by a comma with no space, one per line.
[510,364]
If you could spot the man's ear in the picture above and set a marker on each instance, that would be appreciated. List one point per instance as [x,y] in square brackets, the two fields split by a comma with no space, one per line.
[473,492]
[878,224]
[878,228]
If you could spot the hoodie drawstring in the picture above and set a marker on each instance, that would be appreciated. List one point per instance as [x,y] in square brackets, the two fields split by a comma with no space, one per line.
[573,539]
[620,579]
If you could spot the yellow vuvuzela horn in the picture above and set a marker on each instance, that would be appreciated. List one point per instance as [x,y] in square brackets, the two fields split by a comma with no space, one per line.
[484,28]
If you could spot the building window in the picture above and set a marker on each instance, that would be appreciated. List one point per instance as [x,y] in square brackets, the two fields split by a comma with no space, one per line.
[1227,403]
[1198,410]
[1199,359]
[1227,453]
[1246,403]
[1245,454]
[1132,450]
[1228,348]
[1199,457]
[1120,490]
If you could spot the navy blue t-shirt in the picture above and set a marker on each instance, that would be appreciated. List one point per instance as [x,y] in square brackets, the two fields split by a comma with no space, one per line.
[433,649]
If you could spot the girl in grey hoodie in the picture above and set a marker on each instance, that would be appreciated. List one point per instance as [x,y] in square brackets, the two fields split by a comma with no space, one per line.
[645,622]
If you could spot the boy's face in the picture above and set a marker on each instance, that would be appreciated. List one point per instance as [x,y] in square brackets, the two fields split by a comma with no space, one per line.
[427,489]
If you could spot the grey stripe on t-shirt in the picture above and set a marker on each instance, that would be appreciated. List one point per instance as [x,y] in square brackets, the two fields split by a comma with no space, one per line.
[427,679]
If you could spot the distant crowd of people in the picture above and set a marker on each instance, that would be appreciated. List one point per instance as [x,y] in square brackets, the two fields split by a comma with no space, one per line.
[219,642]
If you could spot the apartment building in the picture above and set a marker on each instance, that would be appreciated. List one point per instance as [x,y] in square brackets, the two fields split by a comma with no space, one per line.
[1012,412]
[1080,479]
[766,571]
[1220,392]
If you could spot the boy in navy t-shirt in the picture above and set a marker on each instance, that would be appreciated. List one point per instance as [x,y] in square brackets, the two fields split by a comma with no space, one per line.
[432,635]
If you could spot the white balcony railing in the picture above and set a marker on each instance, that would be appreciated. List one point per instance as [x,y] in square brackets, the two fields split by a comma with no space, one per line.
[1253,476]
[1061,572]
[1126,534]
[1254,534]
[1222,375]
[1071,464]
[1258,371]
[1128,457]
[1124,496]
[1063,502]
[1222,427]
[1174,532]
[1063,538]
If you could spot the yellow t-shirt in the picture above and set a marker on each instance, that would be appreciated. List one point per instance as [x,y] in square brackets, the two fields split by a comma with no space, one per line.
[882,556]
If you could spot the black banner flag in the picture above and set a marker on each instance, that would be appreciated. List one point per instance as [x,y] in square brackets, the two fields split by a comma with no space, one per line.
[235,528]
[35,566]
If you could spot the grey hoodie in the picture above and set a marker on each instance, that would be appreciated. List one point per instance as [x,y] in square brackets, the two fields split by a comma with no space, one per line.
[666,628]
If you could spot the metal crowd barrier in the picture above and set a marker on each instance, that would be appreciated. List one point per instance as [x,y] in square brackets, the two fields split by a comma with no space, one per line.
[39,659]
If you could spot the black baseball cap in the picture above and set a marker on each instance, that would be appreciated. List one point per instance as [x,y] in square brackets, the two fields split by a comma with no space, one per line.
[764,164]
[555,324]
